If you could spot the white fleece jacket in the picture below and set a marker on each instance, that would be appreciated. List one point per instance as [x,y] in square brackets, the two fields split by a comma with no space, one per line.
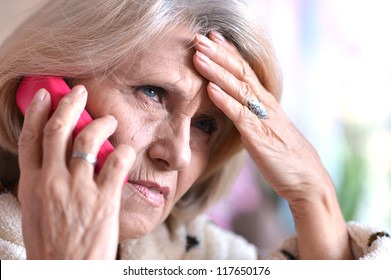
[199,240]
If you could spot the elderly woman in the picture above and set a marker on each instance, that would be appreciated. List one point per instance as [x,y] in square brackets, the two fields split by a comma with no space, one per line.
[179,88]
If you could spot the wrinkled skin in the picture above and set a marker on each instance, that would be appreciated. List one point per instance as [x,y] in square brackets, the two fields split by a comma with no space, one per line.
[163,117]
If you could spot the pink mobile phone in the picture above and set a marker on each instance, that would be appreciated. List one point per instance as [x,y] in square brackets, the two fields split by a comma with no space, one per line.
[57,88]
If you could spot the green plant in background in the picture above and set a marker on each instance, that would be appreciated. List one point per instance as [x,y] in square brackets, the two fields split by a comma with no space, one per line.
[353,170]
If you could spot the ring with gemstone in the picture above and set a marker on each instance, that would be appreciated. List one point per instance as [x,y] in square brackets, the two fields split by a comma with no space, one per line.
[257,108]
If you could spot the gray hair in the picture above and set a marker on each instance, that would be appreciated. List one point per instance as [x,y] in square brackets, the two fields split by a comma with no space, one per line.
[84,39]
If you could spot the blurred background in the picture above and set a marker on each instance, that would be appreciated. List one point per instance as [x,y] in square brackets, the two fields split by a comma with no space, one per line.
[335,56]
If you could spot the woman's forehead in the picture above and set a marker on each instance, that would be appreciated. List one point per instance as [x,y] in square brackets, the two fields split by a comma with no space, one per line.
[167,60]
[176,45]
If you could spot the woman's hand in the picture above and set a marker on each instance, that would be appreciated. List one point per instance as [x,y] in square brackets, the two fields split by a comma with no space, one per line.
[67,211]
[284,157]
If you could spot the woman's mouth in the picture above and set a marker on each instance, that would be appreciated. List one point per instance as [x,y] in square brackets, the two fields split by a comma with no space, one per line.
[151,192]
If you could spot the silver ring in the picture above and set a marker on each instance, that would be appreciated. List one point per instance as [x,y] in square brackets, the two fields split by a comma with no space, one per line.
[90,158]
[257,108]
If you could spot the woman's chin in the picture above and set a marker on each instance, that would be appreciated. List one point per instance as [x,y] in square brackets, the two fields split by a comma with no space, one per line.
[130,235]
[136,227]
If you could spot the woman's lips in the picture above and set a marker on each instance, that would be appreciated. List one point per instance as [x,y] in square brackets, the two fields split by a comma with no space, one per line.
[153,193]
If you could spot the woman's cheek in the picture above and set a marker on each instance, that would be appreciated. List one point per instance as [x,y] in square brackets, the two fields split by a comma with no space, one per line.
[134,129]
[184,184]
[187,177]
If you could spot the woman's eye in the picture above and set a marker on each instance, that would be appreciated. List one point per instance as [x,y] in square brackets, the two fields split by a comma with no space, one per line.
[154,93]
[207,125]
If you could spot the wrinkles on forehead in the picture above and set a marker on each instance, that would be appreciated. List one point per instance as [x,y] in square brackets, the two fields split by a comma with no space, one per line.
[166,62]
[176,47]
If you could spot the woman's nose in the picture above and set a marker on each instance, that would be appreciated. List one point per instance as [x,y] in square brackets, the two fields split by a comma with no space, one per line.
[172,151]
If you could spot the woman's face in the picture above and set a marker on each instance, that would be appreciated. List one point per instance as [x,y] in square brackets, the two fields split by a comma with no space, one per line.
[165,114]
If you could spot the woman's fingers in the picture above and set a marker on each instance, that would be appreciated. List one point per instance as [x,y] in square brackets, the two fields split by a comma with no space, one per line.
[233,84]
[224,54]
[270,142]
[87,144]
[223,78]
[30,140]
[233,109]
[58,130]
[64,190]
[116,169]
[45,143]
[220,63]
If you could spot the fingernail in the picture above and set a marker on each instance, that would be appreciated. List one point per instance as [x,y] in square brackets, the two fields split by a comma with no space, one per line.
[204,40]
[111,118]
[215,87]
[218,36]
[40,95]
[202,57]
[79,89]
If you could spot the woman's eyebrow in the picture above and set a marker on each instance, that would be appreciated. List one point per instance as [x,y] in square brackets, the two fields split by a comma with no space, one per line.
[177,91]
[172,88]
